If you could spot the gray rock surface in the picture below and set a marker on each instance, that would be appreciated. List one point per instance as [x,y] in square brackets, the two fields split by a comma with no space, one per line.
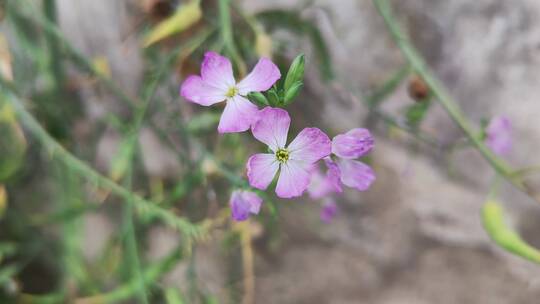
[416,236]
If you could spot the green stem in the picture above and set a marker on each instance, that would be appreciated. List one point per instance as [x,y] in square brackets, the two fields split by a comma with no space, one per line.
[227,35]
[78,166]
[134,262]
[63,44]
[420,67]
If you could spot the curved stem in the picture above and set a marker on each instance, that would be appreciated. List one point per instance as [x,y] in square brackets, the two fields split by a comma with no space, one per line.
[56,150]
[420,67]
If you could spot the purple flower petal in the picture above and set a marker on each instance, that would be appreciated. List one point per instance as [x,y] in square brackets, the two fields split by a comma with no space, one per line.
[318,187]
[261,169]
[238,116]
[216,71]
[353,144]
[294,179]
[499,135]
[323,184]
[243,203]
[356,174]
[194,89]
[272,127]
[333,175]
[261,78]
[328,211]
[310,145]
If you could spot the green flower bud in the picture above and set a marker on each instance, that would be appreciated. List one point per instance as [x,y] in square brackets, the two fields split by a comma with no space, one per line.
[258,98]
[295,73]
[292,92]
[273,97]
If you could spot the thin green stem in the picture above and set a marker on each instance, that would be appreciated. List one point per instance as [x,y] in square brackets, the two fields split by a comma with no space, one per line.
[55,150]
[420,67]
[227,35]
[131,246]
[69,51]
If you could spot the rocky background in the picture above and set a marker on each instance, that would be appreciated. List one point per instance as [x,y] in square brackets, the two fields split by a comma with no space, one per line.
[415,237]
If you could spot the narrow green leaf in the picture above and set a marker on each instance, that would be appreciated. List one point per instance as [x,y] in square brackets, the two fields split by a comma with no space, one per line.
[185,16]
[416,112]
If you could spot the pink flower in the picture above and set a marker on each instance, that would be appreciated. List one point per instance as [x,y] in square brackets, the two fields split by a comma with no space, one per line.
[294,161]
[499,135]
[345,170]
[243,203]
[329,210]
[217,84]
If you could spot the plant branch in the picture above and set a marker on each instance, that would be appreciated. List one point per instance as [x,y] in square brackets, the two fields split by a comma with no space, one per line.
[56,150]
[418,64]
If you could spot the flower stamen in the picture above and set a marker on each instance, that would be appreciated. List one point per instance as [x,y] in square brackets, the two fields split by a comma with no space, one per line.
[282,155]
[232,92]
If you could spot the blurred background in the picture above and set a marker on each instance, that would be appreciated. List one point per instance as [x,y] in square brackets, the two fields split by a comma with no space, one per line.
[102,77]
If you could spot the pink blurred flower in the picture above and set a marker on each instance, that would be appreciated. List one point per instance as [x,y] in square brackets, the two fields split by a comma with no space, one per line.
[243,203]
[217,84]
[329,210]
[499,135]
[294,161]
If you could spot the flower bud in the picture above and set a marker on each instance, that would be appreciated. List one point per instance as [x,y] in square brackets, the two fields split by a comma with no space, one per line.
[295,73]
[273,97]
[258,98]
[418,89]
[292,92]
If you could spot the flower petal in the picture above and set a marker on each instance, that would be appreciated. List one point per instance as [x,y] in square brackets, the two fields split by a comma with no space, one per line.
[323,184]
[261,169]
[356,174]
[499,135]
[272,127]
[310,145]
[329,210]
[293,179]
[333,175]
[194,89]
[318,186]
[261,78]
[254,200]
[353,144]
[238,116]
[216,71]
[243,203]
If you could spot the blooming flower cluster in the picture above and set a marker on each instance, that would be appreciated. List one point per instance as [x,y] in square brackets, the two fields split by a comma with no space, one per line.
[296,164]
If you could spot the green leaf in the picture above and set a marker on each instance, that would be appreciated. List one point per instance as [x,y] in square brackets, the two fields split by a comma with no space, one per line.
[292,92]
[500,233]
[173,296]
[185,16]
[416,112]
[258,98]
[291,20]
[12,142]
[295,73]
